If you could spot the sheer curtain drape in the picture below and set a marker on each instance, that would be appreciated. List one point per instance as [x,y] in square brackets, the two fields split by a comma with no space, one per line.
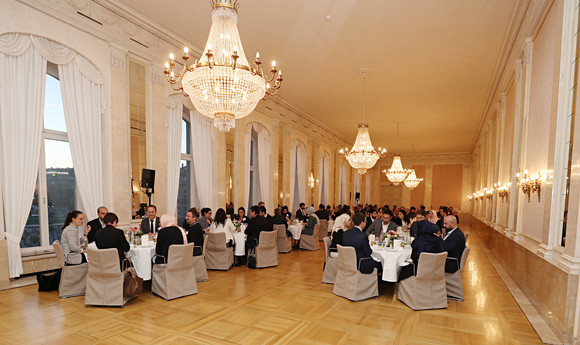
[202,140]
[174,115]
[297,172]
[264,154]
[23,60]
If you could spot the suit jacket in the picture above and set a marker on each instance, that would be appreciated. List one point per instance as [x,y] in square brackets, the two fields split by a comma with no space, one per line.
[195,236]
[279,219]
[146,225]
[299,214]
[454,244]
[165,238]
[426,240]
[377,227]
[415,227]
[359,240]
[110,237]
[322,214]
[95,225]
[255,226]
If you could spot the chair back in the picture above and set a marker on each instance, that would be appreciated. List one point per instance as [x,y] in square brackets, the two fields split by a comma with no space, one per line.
[431,266]
[59,253]
[464,257]
[327,242]
[103,262]
[180,256]
[316,231]
[268,240]
[322,229]
[347,260]
[204,245]
[466,237]
[280,229]
[215,241]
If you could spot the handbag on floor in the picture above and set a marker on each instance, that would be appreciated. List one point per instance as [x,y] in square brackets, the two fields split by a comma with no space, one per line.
[48,281]
[132,284]
[252,258]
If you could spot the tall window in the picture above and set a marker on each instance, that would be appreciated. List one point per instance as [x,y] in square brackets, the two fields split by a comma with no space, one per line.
[54,195]
[184,193]
[255,194]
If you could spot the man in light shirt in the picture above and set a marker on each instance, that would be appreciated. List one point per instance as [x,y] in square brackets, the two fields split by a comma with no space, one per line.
[453,242]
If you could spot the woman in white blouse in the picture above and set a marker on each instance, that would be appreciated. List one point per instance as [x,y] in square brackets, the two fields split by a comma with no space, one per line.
[72,238]
[223,224]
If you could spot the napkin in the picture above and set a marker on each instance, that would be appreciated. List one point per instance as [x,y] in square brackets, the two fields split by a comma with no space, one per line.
[145,240]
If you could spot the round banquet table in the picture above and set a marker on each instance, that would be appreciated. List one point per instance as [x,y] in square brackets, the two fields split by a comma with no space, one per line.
[141,257]
[296,230]
[392,261]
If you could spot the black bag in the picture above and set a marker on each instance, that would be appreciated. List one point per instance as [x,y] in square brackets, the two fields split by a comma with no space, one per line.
[252,258]
[48,281]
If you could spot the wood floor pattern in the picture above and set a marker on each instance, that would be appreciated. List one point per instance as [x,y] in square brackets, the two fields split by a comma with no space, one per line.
[283,305]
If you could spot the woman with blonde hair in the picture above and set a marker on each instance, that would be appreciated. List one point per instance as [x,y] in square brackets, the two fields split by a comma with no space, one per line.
[168,235]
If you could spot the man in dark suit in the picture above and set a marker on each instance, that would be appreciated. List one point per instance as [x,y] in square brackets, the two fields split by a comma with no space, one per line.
[356,238]
[322,213]
[278,218]
[372,216]
[454,244]
[301,212]
[264,213]
[96,224]
[382,225]
[111,237]
[256,225]
[151,223]
[194,231]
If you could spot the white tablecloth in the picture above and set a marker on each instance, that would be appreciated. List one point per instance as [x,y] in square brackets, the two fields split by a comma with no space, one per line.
[141,258]
[392,260]
[239,243]
[329,223]
[296,230]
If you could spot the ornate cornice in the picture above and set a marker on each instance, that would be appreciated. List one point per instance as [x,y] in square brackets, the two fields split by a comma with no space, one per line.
[118,57]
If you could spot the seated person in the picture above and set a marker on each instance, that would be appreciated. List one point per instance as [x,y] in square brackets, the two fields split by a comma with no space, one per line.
[111,237]
[241,216]
[168,235]
[356,238]
[421,215]
[426,240]
[194,231]
[268,217]
[287,214]
[311,222]
[280,219]
[322,213]
[453,242]
[205,219]
[256,224]
[382,225]
[222,224]
[72,238]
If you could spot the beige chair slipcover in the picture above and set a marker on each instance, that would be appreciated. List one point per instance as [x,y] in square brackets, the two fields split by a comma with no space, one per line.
[176,278]
[350,283]
[199,262]
[310,242]
[331,264]
[217,255]
[266,251]
[284,243]
[427,289]
[453,280]
[73,279]
[104,278]
[322,230]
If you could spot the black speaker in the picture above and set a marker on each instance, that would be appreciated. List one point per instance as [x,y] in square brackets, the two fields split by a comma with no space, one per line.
[148,179]
[357,196]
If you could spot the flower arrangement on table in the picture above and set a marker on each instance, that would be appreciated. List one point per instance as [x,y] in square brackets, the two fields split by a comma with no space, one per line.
[388,237]
[237,224]
[135,234]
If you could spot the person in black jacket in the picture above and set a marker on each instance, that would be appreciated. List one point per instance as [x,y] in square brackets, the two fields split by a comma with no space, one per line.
[168,235]
[454,244]
[194,231]
[96,224]
[356,238]
[256,224]
[427,241]
[111,237]
[280,219]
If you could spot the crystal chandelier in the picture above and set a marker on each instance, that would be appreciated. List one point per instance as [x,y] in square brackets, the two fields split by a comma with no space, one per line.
[397,173]
[221,84]
[412,181]
[363,156]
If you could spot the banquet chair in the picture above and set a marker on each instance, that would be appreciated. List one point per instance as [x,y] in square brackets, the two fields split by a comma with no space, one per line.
[73,279]
[266,251]
[308,242]
[199,262]
[322,230]
[350,283]
[217,255]
[427,289]
[176,278]
[330,264]
[466,237]
[104,279]
[453,280]
[284,243]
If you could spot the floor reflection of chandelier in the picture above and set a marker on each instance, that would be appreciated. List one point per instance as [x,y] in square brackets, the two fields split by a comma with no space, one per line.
[412,181]
[221,84]
[362,155]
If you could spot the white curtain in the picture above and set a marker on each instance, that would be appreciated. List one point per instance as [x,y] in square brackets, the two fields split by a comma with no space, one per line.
[82,109]
[320,180]
[297,171]
[326,190]
[174,115]
[343,191]
[22,82]
[248,148]
[202,140]
[264,149]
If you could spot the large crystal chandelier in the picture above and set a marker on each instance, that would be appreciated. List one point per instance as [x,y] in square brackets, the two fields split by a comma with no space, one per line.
[412,181]
[363,156]
[221,84]
[397,173]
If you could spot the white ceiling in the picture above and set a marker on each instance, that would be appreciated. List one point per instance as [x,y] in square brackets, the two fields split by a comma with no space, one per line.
[432,61]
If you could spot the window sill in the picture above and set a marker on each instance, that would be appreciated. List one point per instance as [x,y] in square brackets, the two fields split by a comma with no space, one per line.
[37,254]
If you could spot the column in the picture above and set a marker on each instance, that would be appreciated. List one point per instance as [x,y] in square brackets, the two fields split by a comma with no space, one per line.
[499,117]
[274,156]
[428,185]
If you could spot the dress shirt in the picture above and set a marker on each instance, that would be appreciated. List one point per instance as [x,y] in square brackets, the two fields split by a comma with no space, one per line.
[449,233]
[385,227]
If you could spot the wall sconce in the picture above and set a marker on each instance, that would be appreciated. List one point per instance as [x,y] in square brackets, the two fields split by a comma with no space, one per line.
[311,180]
[503,191]
[469,197]
[531,184]
[488,193]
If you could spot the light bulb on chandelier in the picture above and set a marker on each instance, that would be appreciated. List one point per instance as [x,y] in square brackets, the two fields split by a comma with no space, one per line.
[221,84]
[397,173]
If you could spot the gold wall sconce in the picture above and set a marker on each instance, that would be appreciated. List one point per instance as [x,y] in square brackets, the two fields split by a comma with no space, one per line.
[531,184]
[503,191]
[488,193]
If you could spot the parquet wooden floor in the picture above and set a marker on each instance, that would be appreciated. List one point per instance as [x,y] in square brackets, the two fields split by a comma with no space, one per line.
[283,305]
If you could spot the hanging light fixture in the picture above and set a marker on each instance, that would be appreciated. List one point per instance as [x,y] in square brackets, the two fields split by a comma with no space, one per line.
[412,181]
[221,84]
[397,173]
[363,156]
